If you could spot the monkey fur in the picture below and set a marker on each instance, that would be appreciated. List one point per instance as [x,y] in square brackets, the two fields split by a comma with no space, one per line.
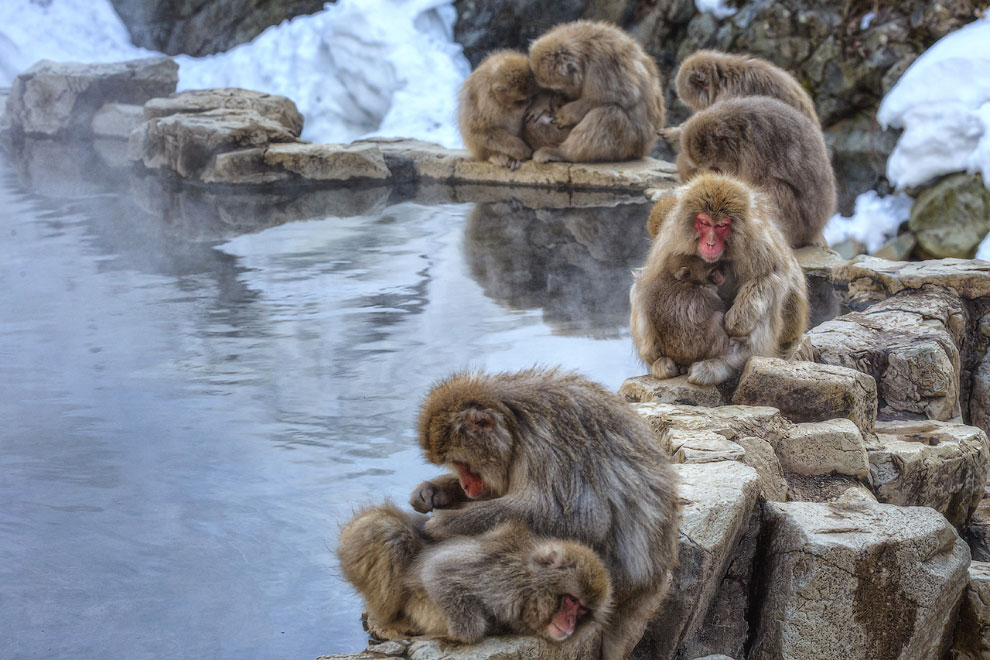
[503,581]
[615,98]
[492,107]
[571,460]
[724,221]
[769,145]
[709,76]
[659,211]
[539,127]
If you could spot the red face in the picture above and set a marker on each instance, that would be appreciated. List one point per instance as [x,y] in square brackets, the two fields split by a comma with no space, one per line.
[565,619]
[711,236]
[473,484]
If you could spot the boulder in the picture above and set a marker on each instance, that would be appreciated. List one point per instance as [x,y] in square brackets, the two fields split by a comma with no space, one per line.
[835,445]
[329,162]
[979,397]
[670,390]
[761,457]
[729,421]
[491,648]
[61,98]
[859,582]
[700,447]
[718,503]
[271,106]
[978,529]
[243,166]
[117,120]
[973,630]
[942,465]
[871,280]
[950,218]
[809,392]
[898,248]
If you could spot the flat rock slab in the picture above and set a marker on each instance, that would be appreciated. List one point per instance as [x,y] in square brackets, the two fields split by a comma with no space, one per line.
[835,445]
[277,108]
[670,390]
[701,447]
[329,162]
[973,630]
[942,465]
[809,392]
[55,98]
[729,421]
[718,502]
[858,582]
[871,279]
[492,648]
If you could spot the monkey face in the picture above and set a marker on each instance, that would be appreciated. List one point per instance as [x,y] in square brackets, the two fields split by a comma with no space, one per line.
[474,442]
[514,87]
[712,234]
[571,587]
[696,84]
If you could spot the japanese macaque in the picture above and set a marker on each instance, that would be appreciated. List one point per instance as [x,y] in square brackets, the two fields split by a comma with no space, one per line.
[571,460]
[709,76]
[725,222]
[539,127]
[615,101]
[682,306]
[770,145]
[506,580]
[658,213]
[493,104]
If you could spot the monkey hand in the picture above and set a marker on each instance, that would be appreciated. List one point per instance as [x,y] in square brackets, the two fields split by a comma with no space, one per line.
[565,117]
[664,367]
[738,323]
[441,493]
[547,154]
[671,134]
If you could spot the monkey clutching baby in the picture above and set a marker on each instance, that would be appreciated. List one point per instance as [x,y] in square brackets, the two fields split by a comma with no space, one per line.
[505,580]
[615,102]
[725,222]
[568,458]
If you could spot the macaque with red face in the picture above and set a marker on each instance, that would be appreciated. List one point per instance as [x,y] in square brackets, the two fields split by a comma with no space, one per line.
[506,580]
[726,222]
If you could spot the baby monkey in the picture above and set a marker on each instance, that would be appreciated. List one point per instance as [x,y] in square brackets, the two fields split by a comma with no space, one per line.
[504,581]
[492,108]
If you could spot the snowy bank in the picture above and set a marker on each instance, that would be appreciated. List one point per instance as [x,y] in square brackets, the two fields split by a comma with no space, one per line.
[874,221]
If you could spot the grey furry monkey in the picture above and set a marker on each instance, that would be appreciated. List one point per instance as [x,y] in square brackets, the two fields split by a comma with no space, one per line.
[773,147]
[571,460]
[615,101]
[506,580]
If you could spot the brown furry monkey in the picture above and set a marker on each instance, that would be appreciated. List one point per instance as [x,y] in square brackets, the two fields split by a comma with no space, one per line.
[493,103]
[539,127]
[683,307]
[725,222]
[506,580]
[659,211]
[615,98]
[570,459]
[709,76]
[772,146]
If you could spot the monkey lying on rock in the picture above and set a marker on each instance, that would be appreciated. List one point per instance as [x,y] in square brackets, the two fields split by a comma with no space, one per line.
[506,580]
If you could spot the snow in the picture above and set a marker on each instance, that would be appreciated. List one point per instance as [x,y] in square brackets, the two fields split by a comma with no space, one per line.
[717,8]
[874,221]
[355,69]
[943,103]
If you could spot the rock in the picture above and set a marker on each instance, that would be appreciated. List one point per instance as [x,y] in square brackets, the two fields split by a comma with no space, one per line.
[486,25]
[871,279]
[859,148]
[389,649]
[701,447]
[117,120]
[729,421]
[56,98]
[271,106]
[861,581]
[849,248]
[825,488]
[203,28]
[941,465]
[908,343]
[719,500]
[761,457]
[819,261]
[809,392]
[856,493]
[898,248]
[670,390]
[973,630]
[950,218]
[185,143]
[329,162]
[835,445]
[978,529]
[979,398]
[244,166]
[504,648]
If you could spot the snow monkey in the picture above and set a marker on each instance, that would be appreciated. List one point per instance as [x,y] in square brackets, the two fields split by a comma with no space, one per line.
[708,76]
[615,99]
[725,222]
[679,298]
[539,127]
[570,459]
[505,580]
[769,145]
[493,103]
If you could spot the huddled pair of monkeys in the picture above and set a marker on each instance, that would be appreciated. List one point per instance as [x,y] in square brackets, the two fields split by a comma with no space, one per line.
[587,92]
[721,282]
[559,517]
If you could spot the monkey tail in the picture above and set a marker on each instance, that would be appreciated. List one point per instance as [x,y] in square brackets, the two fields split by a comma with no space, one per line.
[375,551]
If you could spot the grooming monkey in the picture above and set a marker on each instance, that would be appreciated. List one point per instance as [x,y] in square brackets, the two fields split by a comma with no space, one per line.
[505,580]
[539,127]
[615,101]
[770,145]
[493,104]
[571,460]
[682,305]
[709,76]
[724,221]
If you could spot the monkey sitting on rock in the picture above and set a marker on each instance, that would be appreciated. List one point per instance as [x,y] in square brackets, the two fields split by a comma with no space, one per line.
[503,581]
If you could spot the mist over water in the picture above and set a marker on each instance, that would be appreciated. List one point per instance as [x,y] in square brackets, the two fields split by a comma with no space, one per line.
[197,390]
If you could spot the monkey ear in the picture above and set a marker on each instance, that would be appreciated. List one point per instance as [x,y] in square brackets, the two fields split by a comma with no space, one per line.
[478,420]
[682,273]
